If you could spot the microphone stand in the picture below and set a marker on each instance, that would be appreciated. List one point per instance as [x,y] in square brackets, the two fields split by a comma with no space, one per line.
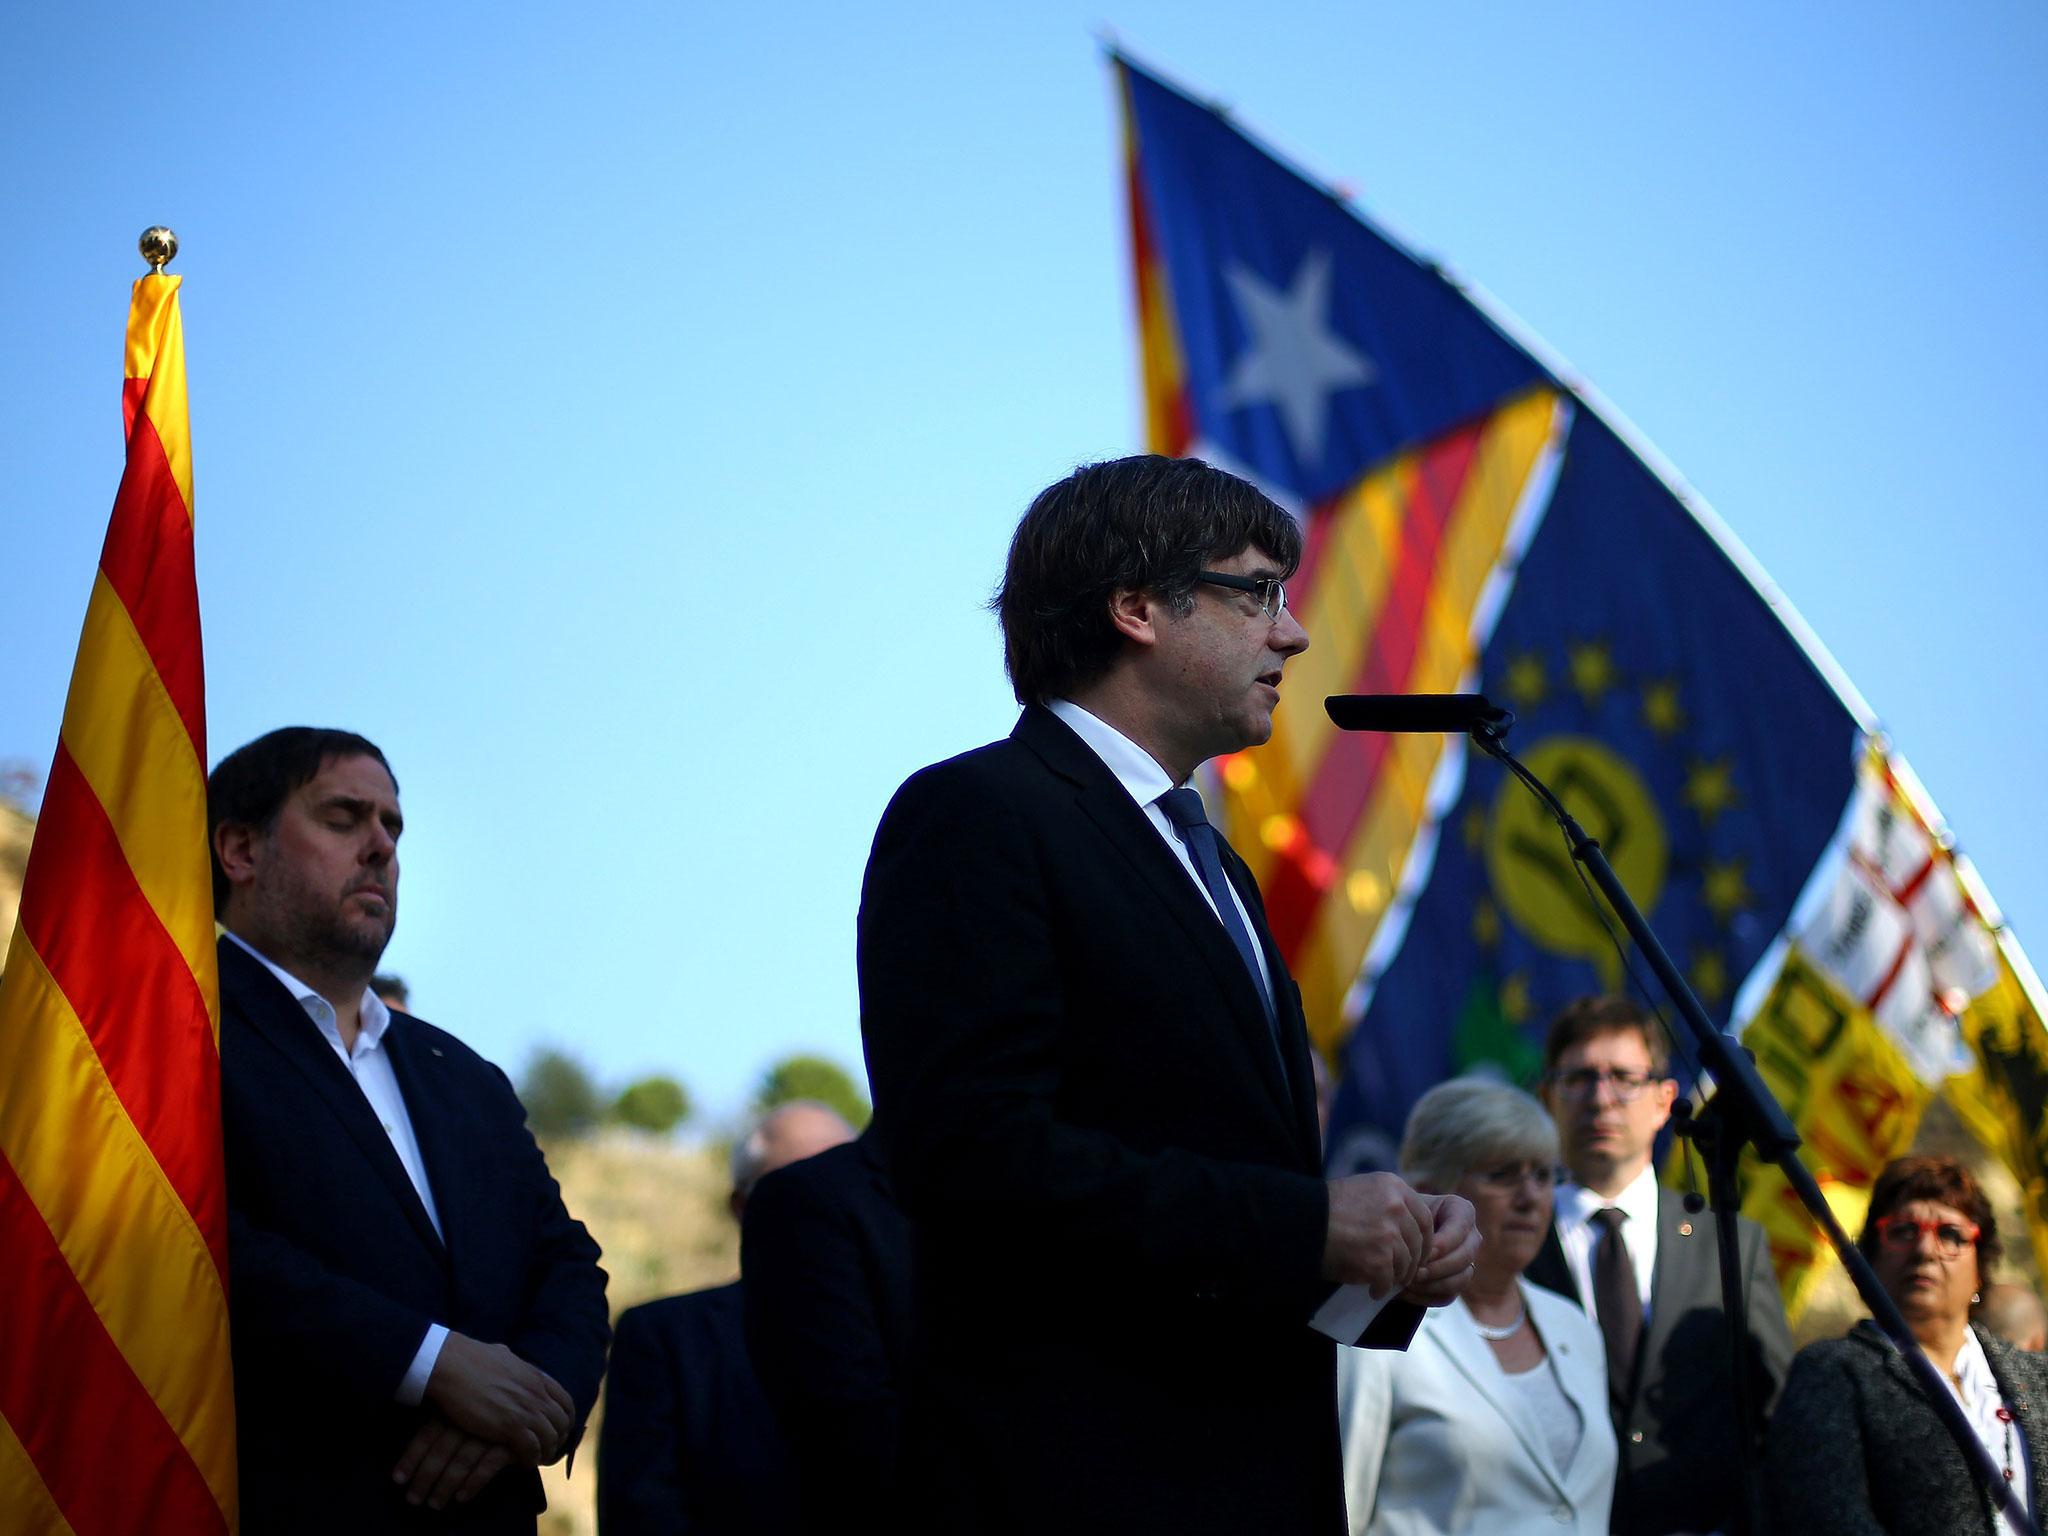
[1747,1113]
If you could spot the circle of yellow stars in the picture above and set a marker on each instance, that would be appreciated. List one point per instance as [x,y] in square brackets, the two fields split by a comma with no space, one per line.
[1709,791]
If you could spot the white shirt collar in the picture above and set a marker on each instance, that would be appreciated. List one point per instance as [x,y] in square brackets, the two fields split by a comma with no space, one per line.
[372,1016]
[1135,768]
[1973,1369]
[1637,1201]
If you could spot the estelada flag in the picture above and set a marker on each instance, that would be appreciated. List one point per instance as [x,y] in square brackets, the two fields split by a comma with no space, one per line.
[116,1401]
[1475,520]
[1471,520]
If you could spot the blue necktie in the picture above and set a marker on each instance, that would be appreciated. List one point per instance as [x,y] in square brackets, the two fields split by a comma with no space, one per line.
[1183,808]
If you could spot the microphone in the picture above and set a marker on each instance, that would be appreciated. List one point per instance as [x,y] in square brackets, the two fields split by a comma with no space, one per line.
[1428,713]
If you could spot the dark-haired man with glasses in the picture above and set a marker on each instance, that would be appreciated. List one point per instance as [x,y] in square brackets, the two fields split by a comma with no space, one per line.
[1648,1272]
[1092,1080]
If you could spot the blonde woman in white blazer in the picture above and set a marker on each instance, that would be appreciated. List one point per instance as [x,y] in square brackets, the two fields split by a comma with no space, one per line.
[1494,1421]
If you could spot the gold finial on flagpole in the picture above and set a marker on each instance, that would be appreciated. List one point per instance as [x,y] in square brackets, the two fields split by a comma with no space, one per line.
[158,246]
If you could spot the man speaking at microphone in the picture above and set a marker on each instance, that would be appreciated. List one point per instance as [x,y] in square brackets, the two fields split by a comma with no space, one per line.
[1091,1073]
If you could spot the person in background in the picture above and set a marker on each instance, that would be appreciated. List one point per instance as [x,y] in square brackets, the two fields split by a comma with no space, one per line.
[689,1445]
[1648,1273]
[1495,1420]
[826,1253]
[391,990]
[2014,1313]
[1854,1446]
[418,1321]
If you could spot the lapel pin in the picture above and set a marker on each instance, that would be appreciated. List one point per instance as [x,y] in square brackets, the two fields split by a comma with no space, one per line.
[1684,1227]
[435,1049]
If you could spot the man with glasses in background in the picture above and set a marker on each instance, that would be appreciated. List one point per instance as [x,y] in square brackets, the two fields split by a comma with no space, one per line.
[1647,1270]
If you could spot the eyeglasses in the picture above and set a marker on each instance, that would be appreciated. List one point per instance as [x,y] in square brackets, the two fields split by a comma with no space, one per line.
[1510,1176]
[1902,1234]
[1267,590]
[1585,1083]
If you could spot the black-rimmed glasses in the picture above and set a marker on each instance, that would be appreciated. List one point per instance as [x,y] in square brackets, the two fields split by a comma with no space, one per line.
[1626,1086]
[1267,590]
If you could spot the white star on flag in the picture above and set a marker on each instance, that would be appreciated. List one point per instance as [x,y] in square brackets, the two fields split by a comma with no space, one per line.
[1295,360]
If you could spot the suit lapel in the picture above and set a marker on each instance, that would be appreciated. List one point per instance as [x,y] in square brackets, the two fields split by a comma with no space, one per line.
[1472,1359]
[1109,806]
[275,1015]
[419,1067]
[2030,1411]
[1550,1271]
[1293,1023]
[1583,1376]
[1678,1258]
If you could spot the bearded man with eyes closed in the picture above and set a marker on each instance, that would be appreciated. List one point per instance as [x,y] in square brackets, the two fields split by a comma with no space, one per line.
[417,1321]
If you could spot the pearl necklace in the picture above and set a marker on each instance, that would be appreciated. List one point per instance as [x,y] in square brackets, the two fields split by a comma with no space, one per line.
[1506,1330]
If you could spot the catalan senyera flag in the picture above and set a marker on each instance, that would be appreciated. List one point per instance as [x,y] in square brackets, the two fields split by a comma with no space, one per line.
[116,1403]
[1474,520]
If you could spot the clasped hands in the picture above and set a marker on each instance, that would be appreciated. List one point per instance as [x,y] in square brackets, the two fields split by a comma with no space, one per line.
[487,1409]
[1388,1237]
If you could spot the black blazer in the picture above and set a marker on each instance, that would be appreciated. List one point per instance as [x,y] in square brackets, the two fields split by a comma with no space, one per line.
[689,1446]
[1115,1190]
[335,1271]
[826,1256]
[1679,1469]
[1855,1448]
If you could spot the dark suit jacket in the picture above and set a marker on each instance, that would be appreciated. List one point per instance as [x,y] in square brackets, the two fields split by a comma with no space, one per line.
[826,1255]
[1679,1449]
[1115,1191]
[335,1271]
[1855,1449]
[690,1446]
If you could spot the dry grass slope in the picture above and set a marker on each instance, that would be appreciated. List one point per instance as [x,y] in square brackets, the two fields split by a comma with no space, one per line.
[658,1210]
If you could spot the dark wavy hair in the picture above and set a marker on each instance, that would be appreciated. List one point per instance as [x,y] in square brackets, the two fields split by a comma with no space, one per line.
[1945,1180]
[248,787]
[1146,523]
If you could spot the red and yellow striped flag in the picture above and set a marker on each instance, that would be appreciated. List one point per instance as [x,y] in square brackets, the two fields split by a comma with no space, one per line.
[117,1400]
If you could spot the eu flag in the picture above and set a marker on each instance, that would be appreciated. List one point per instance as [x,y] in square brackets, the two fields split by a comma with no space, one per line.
[1661,698]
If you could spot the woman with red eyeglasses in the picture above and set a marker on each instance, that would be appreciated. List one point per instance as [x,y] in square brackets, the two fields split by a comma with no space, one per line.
[1854,1447]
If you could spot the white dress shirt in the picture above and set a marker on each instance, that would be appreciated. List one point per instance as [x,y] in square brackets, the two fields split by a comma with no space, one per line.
[1577,1235]
[370,1066]
[1145,781]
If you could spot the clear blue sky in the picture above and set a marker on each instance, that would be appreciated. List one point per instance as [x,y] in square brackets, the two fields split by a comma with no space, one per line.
[619,411]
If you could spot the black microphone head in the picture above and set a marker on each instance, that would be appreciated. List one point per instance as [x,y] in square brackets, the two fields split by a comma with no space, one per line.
[1448,713]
